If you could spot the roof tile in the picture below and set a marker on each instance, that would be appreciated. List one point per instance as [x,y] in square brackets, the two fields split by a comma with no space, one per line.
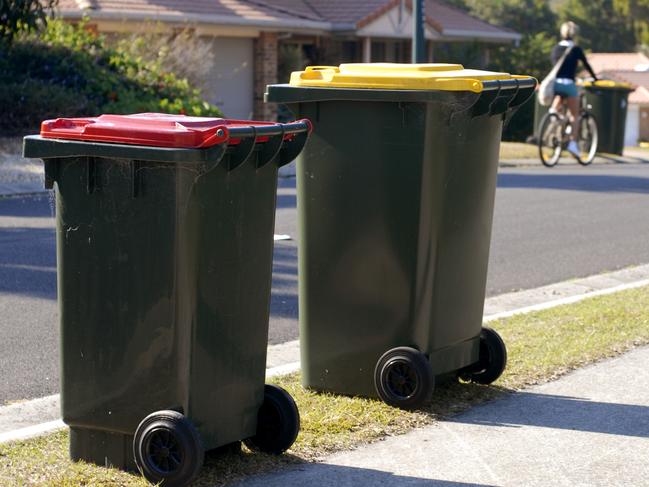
[614,61]
[340,13]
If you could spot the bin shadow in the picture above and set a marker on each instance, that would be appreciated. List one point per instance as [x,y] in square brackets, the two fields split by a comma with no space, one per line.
[563,412]
[285,201]
[594,183]
[249,469]
[286,193]
[618,159]
[28,261]
[284,294]
[37,206]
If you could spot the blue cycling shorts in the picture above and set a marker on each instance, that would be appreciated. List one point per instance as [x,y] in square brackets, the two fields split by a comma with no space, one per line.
[565,87]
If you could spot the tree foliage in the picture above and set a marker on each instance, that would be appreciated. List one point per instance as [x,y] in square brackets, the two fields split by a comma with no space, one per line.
[603,27]
[638,11]
[67,71]
[534,19]
[23,15]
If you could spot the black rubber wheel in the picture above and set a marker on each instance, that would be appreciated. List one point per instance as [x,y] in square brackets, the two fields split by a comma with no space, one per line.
[550,141]
[403,378]
[168,450]
[492,361]
[587,139]
[278,422]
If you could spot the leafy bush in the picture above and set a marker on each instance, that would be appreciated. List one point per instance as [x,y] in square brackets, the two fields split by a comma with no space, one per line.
[181,52]
[22,16]
[67,71]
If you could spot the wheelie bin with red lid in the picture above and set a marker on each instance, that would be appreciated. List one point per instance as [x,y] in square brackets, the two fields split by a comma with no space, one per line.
[164,249]
[395,203]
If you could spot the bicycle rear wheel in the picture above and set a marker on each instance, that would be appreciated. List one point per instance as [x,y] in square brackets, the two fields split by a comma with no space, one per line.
[550,139]
[587,139]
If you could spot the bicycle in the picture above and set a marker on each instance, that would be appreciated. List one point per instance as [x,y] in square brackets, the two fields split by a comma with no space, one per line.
[554,135]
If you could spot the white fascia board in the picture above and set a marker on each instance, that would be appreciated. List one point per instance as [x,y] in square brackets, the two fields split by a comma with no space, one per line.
[302,26]
[486,36]
[394,24]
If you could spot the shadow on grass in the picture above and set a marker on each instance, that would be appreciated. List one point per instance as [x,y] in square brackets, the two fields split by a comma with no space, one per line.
[227,465]
[232,463]
[452,397]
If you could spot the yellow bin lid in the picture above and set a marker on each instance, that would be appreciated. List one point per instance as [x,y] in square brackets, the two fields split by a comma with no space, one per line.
[607,83]
[395,76]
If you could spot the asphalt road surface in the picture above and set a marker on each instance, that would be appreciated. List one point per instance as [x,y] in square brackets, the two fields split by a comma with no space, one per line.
[550,225]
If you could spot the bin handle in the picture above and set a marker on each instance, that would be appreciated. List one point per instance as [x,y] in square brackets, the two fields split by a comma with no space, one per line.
[285,141]
[294,146]
[270,149]
[219,135]
[244,150]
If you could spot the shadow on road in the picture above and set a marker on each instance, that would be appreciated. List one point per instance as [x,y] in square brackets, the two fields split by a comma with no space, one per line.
[564,412]
[28,262]
[284,301]
[286,201]
[286,197]
[292,470]
[40,206]
[598,183]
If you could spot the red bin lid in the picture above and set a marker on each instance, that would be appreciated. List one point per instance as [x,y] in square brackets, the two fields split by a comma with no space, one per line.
[150,129]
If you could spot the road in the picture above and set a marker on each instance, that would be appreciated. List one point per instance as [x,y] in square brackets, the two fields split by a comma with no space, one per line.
[549,226]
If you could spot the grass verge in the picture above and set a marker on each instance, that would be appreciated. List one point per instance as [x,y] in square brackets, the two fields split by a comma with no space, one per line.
[542,346]
[518,150]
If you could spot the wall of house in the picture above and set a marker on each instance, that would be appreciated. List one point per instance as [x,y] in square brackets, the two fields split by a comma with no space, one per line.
[265,73]
[644,123]
[230,86]
[632,125]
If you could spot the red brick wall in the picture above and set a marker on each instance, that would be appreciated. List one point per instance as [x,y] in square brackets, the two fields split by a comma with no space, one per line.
[265,69]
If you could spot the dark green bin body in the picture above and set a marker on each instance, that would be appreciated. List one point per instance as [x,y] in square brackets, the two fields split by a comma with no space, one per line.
[395,203]
[609,106]
[164,277]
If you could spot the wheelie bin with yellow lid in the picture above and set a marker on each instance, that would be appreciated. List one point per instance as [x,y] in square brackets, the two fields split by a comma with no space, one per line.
[395,203]
[164,230]
[608,101]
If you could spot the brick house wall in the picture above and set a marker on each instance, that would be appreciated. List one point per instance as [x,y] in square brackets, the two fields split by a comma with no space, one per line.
[265,73]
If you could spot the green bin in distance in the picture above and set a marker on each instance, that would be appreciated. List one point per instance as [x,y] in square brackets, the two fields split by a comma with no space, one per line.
[164,230]
[395,204]
[608,102]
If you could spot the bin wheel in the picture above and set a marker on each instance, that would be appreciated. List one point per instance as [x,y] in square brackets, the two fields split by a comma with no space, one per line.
[492,360]
[168,449]
[278,422]
[403,378]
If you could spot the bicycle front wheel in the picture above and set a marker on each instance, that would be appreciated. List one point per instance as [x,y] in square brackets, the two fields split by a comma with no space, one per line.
[587,139]
[550,139]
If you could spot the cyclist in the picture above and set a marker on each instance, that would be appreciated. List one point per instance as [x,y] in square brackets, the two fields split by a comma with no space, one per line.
[565,89]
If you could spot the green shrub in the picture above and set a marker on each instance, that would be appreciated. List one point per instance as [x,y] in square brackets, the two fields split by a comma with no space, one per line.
[67,71]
